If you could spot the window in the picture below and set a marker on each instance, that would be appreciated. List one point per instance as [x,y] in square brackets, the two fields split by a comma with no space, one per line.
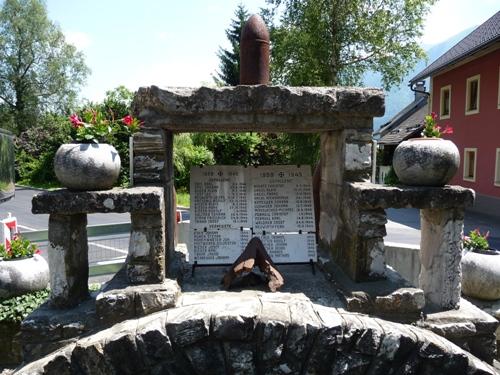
[445,102]
[472,95]
[497,168]
[470,158]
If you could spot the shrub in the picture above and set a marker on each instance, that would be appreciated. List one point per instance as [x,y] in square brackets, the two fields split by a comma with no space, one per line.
[187,155]
[36,148]
[229,148]
[18,248]
[16,309]
[476,240]
[391,178]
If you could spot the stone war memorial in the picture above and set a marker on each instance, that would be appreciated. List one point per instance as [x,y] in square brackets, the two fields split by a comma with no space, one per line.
[341,310]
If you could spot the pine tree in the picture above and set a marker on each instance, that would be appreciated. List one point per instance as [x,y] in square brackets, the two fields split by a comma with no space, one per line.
[229,67]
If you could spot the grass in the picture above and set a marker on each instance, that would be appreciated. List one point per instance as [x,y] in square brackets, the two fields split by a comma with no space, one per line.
[183,198]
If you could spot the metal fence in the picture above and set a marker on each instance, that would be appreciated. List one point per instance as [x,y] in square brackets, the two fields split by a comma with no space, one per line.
[108,246]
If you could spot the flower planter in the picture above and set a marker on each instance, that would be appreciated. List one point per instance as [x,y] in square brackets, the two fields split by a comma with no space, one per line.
[87,166]
[481,274]
[426,161]
[19,276]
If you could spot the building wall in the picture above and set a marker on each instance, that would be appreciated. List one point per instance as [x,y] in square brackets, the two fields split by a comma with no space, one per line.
[481,130]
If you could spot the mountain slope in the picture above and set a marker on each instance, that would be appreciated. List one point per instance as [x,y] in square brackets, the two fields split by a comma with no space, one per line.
[400,96]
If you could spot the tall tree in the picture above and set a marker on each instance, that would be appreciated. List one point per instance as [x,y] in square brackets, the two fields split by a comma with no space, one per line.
[38,69]
[333,42]
[229,74]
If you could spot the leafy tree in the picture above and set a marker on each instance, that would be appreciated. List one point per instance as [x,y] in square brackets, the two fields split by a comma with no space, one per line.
[230,148]
[36,148]
[187,155]
[39,71]
[333,42]
[229,66]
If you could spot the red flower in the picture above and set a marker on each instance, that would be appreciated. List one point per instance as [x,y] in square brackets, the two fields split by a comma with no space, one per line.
[75,120]
[38,251]
[434,116]
[447,130]
[128,120]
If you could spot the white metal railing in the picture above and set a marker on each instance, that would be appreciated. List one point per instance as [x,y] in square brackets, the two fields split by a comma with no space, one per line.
[108,246]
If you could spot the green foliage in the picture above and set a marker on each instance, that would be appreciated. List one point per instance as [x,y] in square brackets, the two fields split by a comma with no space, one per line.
[229,66]
[18,248]
[333,42]
[16,309]
[391,178]
[101,127]
[36,148]
[183,198]
[476,240]
[229,148]
[39,71]
[187,155]
[432,129]
[116,106]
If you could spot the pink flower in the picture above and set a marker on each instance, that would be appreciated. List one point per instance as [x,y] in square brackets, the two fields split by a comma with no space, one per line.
[75,120]
[38,251]
[128,120]
[434,116]
[447,130]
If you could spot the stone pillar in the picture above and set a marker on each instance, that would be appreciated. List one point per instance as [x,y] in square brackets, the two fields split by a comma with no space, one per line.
[169,195]
[68,259]
[346,156]
[146,258]
[440,256]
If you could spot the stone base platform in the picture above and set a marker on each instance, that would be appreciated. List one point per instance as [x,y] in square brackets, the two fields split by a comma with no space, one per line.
[468,327]
[49,328]
[394,299]
[391,298]
[255,332]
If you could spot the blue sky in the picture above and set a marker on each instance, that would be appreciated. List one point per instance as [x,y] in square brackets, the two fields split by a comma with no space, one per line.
[174,43]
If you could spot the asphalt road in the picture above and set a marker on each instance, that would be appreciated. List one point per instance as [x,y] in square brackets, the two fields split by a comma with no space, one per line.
[403,225]
[20,207]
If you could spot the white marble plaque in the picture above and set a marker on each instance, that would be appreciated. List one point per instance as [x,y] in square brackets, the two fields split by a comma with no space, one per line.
[221,246]
[290,247]
[220,197]
[282,198]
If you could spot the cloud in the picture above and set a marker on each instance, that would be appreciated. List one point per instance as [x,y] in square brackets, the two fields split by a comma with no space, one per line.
[77,38]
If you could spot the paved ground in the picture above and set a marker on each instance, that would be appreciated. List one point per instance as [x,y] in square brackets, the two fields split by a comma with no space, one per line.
[20,207]
[403,225]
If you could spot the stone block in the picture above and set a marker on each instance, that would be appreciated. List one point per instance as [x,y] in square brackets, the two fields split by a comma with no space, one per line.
[366,195]
[206,358]
[401,301]
[148,142]
[119,300]
[68,259]
[187,325]
[258,108]
[440,256]
[67,202]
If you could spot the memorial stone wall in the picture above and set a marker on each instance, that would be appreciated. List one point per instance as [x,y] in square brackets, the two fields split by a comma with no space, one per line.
[232,204]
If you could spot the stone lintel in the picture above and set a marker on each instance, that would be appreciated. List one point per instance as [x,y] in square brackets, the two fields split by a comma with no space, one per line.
[371,196]
[258,108]
[67,202]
